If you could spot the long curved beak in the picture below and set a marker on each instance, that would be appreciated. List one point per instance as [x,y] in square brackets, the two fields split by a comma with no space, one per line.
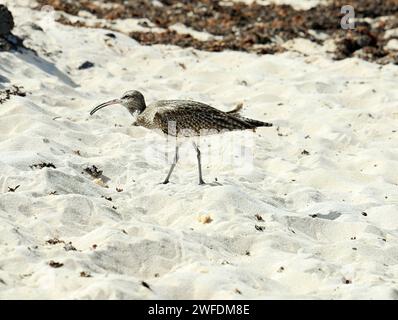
[105,104]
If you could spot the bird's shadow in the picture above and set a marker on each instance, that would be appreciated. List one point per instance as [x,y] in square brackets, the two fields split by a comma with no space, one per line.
[214,184]
[211,184]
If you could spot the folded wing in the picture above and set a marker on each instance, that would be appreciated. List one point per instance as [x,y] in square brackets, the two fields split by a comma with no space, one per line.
[192,119]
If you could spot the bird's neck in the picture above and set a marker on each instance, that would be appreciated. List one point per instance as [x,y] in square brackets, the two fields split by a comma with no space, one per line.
[136,110]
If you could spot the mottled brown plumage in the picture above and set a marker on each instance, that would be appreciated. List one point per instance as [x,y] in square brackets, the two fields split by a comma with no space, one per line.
[183,118]
[191,118]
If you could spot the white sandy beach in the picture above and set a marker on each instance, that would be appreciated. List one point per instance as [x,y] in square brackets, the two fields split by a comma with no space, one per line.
[330,214]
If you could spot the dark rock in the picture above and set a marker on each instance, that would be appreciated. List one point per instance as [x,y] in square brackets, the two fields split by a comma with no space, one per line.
[6,20]
[86,65]
[7,40]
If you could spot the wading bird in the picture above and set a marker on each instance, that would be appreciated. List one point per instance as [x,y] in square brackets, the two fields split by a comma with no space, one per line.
[182,118]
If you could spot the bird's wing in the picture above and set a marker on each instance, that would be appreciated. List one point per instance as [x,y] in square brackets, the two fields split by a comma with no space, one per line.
[190,118]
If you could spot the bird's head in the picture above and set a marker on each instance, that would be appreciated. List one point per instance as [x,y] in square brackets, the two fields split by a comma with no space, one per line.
[133,100]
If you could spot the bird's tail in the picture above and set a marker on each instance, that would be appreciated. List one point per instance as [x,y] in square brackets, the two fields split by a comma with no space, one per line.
[256,123]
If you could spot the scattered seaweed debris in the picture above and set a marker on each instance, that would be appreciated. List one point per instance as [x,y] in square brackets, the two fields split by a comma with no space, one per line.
[258,217]
[251,27]
[146,285]
[69,247]
[107,198]
[85,274]
[93,171]
[12,91]
[54,241]
[259,228]
[54,264]
[13,189]
[186,40]
[43,165]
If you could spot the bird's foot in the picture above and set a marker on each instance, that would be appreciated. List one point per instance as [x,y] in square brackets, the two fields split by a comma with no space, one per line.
[201,182]
[165,182]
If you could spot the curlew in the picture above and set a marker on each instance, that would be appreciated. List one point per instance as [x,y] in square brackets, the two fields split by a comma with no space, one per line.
[182,118]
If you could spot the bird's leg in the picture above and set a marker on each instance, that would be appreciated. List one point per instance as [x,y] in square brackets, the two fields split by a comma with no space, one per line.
[199,163]
[166,181]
